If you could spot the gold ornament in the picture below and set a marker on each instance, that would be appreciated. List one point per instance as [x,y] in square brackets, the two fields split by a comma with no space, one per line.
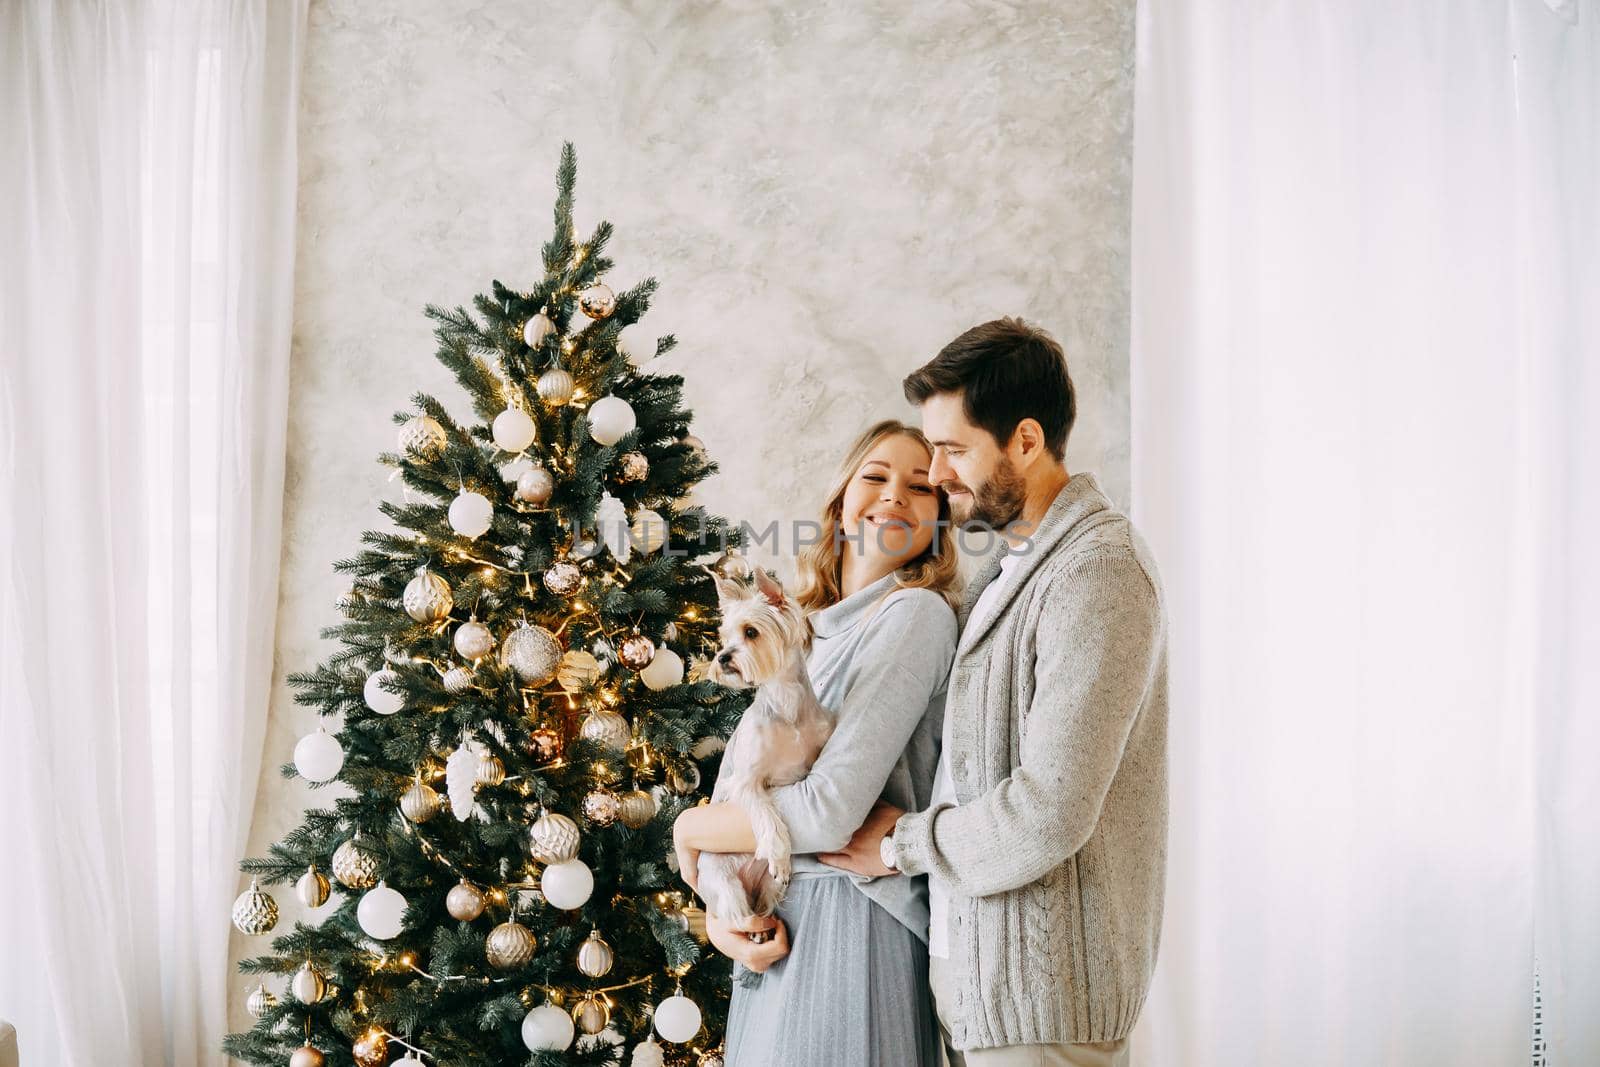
[535,485]
[605,727]
[601,807]
[683,779]
[308,985]
[638,808]
[563,578]
[427,597]
[371,1049]
[595,956]
[312,888]
[696,919]
[649,530]
[490,770]
[420,803]
[306,1056]
[355,865]
[697,447]
[510,945]
[532,652]
[458,680]
[553,838]
[647,767]
[633,467]
[591,1014]
[465,901]
[254,911]
[732,565]
[260,1002]
[422,436]
[598,301]
[637,651]
[578,671]
[555,387]
[544,745]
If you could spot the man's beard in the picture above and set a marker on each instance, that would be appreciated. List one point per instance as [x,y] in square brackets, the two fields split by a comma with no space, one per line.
[997,503]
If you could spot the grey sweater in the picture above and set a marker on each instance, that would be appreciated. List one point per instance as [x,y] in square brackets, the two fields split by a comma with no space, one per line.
[879,659]
[1055,856]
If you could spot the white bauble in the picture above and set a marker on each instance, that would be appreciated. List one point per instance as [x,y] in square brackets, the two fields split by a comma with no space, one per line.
[381,913]
[635,345]
[537,330]
[568,885]
[535,485]
[318,757]
[408,1060]
[648,530]
[664,671]
[514,430]
[611,418]
[471,514]
[473,640]
[379,698]
[547,1029]
[678,1018]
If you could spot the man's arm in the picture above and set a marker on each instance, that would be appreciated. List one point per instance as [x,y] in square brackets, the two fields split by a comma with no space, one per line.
[1099,638]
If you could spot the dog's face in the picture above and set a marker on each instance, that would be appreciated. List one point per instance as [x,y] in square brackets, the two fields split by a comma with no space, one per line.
[761,628]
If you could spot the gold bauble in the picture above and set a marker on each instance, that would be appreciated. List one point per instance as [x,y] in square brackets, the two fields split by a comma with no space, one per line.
[312,888]
[605,727]
[637,651]
[510,945]
[371,1049]
[420,803]
[422,436]
[254,911]
[260,1002]
[598,301]
[595,956]
[632,467]
[308,986]
[535,485]
[427,596]
[544,745]
[601,807]
[465,901]
[563,578]
[648,769]
[490,770]
[591,1014]
[578,671]
[306,1056]
[638,808]
[555,387]
[553,838]
[732,565]
[355,865]
[683,779]
[696,917]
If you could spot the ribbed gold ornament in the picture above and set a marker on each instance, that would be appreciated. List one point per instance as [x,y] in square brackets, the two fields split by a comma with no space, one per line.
[420,803]
[553,838]
[510,945]
[312,888]
[595,957]
[638,808]
[355,865]
[427,596]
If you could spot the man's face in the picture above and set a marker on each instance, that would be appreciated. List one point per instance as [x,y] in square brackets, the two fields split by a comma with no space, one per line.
[980,479]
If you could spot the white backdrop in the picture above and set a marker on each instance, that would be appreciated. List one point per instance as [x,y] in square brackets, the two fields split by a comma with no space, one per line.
[148,238]
[1364,354]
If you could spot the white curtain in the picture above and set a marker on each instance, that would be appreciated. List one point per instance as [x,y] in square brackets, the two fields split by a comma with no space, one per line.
[149,183]
[1366,374]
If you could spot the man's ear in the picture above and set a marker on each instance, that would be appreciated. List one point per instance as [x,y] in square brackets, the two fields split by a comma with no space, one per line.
[768,586]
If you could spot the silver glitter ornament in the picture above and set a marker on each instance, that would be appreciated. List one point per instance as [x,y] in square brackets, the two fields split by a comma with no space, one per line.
[532,652]
[563,578]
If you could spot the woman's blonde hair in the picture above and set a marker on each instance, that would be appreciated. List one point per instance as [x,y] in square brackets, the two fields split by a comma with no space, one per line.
[819,564]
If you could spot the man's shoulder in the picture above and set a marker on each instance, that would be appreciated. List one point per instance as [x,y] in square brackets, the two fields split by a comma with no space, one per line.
[1108,547]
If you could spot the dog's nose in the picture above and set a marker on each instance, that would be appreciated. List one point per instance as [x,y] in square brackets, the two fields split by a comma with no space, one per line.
[725,657]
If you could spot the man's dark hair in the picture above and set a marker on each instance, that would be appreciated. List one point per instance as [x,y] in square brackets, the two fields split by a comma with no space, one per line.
[1005,371]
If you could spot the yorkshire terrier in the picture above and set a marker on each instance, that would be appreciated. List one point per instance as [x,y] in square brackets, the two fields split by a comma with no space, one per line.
[764,643]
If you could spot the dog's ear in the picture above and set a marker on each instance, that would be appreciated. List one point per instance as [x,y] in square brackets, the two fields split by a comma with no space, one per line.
[768,586]
[727,588]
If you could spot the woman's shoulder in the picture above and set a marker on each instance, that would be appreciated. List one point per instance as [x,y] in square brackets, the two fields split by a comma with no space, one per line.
[920,609]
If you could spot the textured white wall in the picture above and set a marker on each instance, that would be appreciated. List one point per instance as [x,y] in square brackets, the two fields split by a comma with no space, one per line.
[827,195]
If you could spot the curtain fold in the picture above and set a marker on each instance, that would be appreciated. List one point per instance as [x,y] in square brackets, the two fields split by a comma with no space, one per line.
[1363,340]
[145,315]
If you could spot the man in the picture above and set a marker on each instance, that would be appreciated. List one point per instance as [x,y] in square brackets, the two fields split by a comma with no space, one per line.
[1045,842]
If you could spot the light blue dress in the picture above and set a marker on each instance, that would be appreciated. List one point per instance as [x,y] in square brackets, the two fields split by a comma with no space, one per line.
[853,990]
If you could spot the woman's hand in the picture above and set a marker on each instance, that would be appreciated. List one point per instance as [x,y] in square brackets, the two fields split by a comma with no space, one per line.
[688,855]
[734,941]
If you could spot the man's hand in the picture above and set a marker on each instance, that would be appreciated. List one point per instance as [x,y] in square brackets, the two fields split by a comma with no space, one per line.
[734,942]
[861,855]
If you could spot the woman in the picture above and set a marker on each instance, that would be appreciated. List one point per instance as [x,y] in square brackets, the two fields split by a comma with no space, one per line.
[844,978]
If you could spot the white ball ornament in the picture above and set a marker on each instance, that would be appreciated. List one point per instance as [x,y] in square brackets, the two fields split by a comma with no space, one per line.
[547,1029]
[408,1060]
[514,430]
[664,671]
[471,514]
[537,330]
[568,885]
[678,1018]
[378,697]
[381,913]
[611,418]
[473,640]
[535,485]
[318,757]
[648,530]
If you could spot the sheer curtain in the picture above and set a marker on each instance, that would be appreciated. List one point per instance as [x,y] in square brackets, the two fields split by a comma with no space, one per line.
[149,180]
[1364,378]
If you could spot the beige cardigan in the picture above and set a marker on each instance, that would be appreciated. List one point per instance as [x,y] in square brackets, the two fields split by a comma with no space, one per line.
[1055,857]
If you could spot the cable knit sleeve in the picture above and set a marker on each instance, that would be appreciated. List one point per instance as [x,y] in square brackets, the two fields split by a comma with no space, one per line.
[899,667]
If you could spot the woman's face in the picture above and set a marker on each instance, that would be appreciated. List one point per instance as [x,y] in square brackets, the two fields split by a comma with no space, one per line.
[890,509]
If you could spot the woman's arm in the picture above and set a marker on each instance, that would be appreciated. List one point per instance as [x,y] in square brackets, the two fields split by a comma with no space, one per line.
[898,666]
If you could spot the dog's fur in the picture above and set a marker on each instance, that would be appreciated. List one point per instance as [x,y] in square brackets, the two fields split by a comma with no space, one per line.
[765,638]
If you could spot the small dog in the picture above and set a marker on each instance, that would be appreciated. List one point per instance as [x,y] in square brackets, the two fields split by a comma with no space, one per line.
[764,643]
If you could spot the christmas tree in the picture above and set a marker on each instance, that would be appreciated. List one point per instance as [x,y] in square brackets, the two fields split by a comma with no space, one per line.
[519,710]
